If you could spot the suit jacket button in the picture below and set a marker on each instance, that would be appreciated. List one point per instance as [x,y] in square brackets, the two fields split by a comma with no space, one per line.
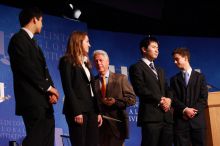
[46,79]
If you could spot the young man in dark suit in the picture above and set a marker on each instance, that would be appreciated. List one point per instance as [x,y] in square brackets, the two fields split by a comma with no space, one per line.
[190,99]
[33,87]
[113,100]
[154,115]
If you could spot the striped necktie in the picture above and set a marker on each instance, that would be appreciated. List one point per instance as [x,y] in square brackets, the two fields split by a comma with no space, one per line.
[153,69]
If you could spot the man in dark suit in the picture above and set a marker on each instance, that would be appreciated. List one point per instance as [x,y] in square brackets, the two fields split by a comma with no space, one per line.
[154,115]
[190,99]
[33,87]
[118,94]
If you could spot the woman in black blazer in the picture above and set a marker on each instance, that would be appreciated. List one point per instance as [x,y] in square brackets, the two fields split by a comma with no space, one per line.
[80,105]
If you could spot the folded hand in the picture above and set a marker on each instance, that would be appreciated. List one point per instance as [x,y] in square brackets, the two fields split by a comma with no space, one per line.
[109,101]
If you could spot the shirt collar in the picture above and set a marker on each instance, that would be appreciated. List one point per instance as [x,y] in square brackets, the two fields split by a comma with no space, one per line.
[106,75]
[84,60]
[146,61]
[189,71]
[31,35]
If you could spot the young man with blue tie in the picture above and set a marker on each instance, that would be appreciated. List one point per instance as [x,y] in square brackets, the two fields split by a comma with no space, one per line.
[190,99]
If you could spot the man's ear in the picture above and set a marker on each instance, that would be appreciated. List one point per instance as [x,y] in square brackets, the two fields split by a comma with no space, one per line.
[144,50]
[34,20]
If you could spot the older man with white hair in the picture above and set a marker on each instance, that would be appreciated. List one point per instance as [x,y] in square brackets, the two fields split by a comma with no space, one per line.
[115,93]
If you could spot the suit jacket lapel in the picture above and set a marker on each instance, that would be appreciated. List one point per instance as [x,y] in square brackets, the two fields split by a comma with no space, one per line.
[181,79]
[30,40]
[192,76]
[37,49]
[160,78]
[148,69]
[110,85]
[98,87]
[84,73]
[41,56]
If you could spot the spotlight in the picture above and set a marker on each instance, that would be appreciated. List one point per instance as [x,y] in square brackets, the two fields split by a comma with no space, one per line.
[70,11]
[71,6]
[77,13]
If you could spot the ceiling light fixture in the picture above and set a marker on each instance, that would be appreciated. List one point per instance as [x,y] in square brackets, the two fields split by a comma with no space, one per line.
[70,11]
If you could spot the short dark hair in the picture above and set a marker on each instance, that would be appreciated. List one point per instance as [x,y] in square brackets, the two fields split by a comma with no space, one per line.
[182,51]
[145,42]
[28,13]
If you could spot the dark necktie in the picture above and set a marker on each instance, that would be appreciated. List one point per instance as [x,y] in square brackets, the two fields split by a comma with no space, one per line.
[35,43]
[152,66]
[153,69]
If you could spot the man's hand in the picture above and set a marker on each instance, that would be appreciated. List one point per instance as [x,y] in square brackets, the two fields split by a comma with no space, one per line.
[165,103]
[53,95]
[53,99]
[79,119]
[109,101]
[54,91]
[100,120]
[190,112]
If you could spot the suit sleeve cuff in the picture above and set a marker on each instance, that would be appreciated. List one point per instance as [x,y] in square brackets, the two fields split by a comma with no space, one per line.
[49,88]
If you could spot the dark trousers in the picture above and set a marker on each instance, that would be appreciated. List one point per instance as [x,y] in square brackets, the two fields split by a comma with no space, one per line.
[190,137]
[157,134]
[40,125]
[106,136]
[85,134]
